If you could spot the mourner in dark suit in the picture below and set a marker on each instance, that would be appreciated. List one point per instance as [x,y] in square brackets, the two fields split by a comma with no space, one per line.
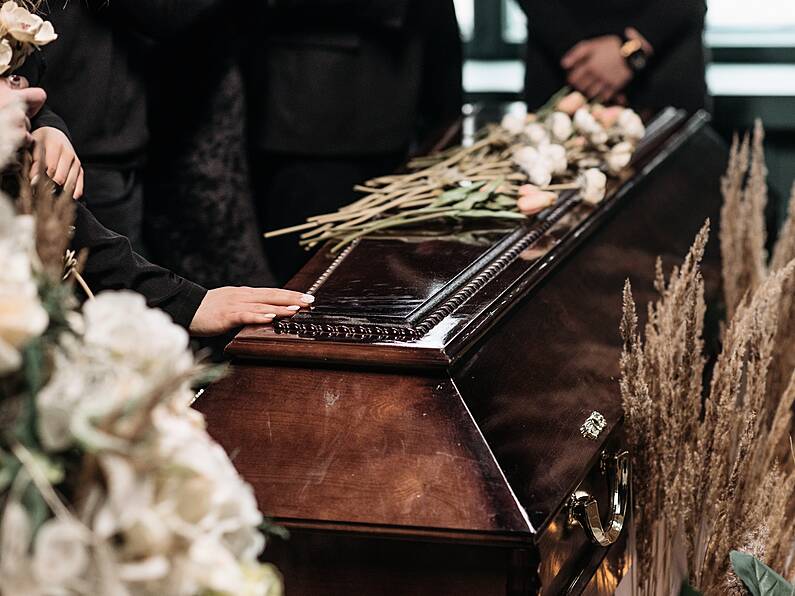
[339,92]
[647,52]
[95,81]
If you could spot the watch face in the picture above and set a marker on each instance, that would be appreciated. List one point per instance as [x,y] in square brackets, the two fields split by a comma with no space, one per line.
[637,61]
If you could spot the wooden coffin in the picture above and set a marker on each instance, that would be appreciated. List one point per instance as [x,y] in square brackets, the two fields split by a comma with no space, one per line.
[423,430]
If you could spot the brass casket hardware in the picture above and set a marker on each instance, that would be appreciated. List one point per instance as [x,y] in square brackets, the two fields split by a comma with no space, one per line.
[584,510]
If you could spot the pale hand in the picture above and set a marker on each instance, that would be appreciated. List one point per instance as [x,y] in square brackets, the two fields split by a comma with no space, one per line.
[23,105]
[224,309]
[54,154]
[596,67]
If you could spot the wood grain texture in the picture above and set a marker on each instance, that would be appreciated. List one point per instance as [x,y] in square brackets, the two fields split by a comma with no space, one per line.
[362,449]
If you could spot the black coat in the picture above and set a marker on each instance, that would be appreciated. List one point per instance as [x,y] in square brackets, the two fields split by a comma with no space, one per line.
[674,28]
[95,71]
[353,77]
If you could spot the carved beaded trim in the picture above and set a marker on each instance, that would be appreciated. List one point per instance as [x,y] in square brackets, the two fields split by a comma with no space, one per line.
[393,332]
[330,269]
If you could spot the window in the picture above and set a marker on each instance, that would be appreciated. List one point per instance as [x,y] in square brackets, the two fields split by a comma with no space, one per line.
[496,29]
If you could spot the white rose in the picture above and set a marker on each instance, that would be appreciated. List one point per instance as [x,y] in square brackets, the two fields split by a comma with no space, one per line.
[56,402]
[217,498]
[16,576]
[45,34]
[556,156]
[261,580]
[20,24]
[585,122]
[136,336]
[524,156]
[149,569]
[593,185]
[561,126]
[213,568]
[60,553]
[599,137]
[130,496]
[619,156]
[6,55]
[22,317]
[12,136]
[513,123]
[536,133]
[540,173]
[15,536]
[630,125]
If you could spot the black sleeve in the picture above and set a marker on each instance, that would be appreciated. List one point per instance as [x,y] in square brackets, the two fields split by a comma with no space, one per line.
[551,25]
[46,117]
[112,265]
[33,70]
[664,20]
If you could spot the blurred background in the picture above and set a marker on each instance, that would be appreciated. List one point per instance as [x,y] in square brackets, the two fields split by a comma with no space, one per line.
[751,71]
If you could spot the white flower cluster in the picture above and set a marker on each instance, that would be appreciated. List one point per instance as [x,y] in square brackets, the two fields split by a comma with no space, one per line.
[161,508]
[576,140]
[22,316]
[21,31]
[168,513]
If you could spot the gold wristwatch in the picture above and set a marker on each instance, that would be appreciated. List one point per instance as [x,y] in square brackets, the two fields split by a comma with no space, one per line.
[632,51]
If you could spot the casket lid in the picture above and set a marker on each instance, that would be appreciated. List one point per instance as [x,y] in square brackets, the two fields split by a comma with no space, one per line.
[422,300]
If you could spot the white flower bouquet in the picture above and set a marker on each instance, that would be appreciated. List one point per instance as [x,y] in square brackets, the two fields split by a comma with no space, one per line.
[570,144]
[21,33]
[109,482]
[512,171]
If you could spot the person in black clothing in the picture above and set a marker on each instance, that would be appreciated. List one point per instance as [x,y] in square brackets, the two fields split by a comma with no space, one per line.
[339,92]
[113,265]
[648,53]
[199,218]
[95,81]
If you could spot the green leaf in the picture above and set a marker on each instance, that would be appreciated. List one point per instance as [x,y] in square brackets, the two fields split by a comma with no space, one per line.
[36,507]
[505,201]
[758,577]
[688,590]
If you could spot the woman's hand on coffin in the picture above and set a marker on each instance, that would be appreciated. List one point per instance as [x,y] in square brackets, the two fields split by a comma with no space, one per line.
[224,309]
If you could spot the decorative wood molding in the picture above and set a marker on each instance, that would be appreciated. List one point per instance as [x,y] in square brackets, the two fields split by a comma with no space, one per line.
[416,330]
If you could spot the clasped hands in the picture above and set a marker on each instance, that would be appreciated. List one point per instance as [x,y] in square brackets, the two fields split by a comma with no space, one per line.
[596,68]
[53,152]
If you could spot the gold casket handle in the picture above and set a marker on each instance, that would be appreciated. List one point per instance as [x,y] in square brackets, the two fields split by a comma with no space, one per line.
[584,510]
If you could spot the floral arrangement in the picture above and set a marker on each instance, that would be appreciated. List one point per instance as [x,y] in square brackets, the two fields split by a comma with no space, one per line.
[21,33]
[713,475]
[511,171]
[109,482]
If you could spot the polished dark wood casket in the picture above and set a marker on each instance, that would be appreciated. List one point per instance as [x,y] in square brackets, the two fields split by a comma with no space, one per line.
[447,418]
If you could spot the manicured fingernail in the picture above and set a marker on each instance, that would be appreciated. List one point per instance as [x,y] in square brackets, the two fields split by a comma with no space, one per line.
[294,307]
[307,299]
[34,180]
[269,316]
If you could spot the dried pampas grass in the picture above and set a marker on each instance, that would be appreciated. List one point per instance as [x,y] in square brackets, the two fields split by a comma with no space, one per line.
[742,240]
[706,477]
